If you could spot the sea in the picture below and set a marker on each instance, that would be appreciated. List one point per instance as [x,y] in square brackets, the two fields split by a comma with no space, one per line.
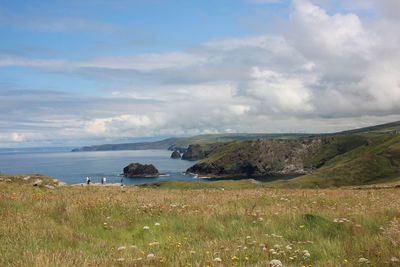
[74,167]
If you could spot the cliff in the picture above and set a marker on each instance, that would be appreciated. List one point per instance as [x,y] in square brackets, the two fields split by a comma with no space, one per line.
[263,157]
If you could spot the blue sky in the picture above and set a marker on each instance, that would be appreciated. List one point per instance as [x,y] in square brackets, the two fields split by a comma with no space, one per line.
[81,72]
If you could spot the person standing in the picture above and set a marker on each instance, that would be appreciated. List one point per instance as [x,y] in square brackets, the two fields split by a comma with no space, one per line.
[122,180]
[87,180]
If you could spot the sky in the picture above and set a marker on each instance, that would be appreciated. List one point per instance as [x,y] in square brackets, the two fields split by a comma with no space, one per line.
[78,72]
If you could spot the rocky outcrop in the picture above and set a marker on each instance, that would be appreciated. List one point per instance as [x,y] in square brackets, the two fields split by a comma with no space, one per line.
[199,151]
[260,157]
[175,155]
[140,170]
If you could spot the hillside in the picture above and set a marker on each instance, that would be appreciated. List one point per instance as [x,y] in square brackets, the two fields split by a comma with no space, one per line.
[386,128]
[328,161]
[375,162]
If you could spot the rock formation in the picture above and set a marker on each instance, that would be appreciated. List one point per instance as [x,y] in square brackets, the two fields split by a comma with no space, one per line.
[140,170]
[175,155]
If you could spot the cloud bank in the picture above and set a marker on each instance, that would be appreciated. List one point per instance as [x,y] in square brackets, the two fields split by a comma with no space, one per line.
[325,72]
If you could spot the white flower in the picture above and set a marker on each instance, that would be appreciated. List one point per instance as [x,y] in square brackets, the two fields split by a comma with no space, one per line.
[157,224]
[192,252]
[277,246]
[150,256]
[307,255]
[120,259]
[146,227]
[272,250]
[248,237]
[121,248]
[133,246]
[363,260]
[394,259]
[275,263]
[288,247]
[218,259]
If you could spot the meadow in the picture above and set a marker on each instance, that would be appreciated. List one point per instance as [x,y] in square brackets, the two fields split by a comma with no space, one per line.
[173,224]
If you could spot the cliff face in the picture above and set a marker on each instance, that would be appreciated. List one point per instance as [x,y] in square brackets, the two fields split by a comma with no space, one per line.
[261,157]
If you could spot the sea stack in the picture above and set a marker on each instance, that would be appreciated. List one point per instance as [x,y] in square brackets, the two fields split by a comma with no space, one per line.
[175,155]
[140,170]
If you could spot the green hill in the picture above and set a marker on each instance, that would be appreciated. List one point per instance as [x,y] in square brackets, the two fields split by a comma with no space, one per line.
[377,161]
[329,161]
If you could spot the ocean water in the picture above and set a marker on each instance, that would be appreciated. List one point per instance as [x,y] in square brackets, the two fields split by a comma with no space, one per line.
[74,167]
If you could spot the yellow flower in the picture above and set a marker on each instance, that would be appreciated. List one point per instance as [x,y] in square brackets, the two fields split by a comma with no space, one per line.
[301,226]
[345,261]
[246,258]
[234,258]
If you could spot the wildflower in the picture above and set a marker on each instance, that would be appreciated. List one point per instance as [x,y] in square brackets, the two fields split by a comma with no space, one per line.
[275,263]
[133,246]
[345,261]
[363,260]
[301,226]
[248,237]
[277,246]
[246,258]
[306,254]
[192,252]
[394,259]
[150,256]
[157,224]
[218,259]
[146,227]
[121,248]
[234,258]
[120,259]
[288,247]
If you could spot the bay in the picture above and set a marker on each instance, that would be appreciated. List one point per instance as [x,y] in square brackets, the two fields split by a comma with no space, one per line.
[74,167]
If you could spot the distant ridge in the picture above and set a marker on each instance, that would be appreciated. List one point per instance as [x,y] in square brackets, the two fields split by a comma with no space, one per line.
[182,143]
[380,128]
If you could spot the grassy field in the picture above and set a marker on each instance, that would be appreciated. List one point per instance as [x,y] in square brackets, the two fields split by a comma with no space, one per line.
[220,225]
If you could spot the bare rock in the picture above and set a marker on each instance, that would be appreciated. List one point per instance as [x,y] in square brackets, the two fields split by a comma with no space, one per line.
[37,182]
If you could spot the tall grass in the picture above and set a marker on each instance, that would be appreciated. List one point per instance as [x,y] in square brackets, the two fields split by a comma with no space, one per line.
[90,226]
